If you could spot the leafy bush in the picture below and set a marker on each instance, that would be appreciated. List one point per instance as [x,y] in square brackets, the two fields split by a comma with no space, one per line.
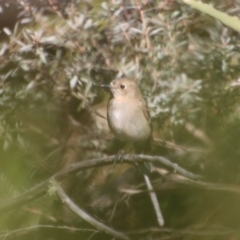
[187,65]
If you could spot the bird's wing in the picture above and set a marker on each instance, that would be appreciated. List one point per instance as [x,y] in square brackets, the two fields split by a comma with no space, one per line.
[145,109]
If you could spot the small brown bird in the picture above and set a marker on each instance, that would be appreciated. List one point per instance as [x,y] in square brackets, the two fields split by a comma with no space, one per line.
[127,114]
[129,121]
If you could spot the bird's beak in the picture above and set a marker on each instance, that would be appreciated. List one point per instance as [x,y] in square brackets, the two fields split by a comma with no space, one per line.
[106,86]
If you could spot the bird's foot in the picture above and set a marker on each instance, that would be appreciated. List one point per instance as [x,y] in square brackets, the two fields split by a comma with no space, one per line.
[119,157]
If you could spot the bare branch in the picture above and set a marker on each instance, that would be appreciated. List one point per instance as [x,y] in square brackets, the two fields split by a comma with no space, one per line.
[6,234]
[154,200]
[81,213]
[41,189]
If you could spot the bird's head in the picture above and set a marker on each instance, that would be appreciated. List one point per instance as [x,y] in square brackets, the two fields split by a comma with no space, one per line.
[124,87]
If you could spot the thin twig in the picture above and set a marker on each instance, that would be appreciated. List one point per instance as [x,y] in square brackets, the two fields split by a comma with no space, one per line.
[198,133]
[171,145]
[211,231]
[154,200]
[144,25]
[6,234]
[156,160]
[81,213]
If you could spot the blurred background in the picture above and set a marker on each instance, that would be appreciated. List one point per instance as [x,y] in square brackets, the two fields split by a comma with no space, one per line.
[53,56]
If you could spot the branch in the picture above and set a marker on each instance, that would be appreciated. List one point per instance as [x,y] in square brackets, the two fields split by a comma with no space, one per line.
[81,213]
[232,22]
[18,231]
[154,200]
[42,188]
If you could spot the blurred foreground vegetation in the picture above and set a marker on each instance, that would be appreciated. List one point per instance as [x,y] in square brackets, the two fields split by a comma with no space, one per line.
[54,54]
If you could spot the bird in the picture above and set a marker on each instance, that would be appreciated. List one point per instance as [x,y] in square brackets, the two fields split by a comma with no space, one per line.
[129,121]
[127,114]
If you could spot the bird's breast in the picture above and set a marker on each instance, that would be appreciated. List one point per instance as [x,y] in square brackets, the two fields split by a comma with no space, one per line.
[127,121]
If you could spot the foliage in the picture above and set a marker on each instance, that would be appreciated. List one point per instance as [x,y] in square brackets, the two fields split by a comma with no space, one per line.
[232,22]
[187,65]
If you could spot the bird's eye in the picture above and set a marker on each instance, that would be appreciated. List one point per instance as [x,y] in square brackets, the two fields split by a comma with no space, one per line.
[122,86]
